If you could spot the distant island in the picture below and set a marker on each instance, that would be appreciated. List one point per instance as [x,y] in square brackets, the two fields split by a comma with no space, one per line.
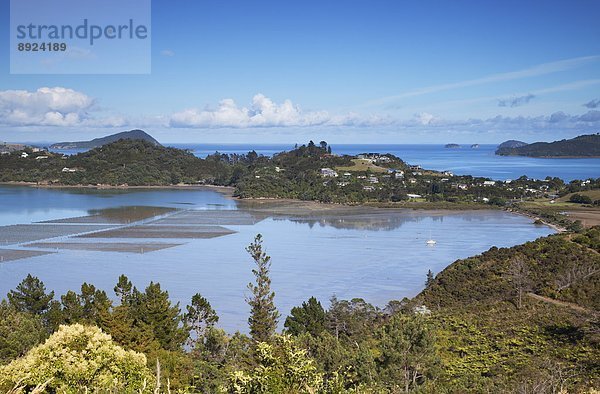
[510,144]
[582,146]
[97,142]
[452,146]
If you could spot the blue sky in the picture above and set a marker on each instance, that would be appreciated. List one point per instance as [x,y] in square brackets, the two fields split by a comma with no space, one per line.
[345,71]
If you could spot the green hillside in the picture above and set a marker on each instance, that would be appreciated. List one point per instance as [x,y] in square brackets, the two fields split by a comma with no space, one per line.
[582,146]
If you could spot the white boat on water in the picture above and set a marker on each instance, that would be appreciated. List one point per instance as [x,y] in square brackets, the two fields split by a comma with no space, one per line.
[430,241]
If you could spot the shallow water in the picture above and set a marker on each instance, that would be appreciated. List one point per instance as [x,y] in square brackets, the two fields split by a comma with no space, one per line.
[375,255]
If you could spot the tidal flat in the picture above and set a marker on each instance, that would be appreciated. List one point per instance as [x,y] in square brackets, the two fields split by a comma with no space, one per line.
[317,250]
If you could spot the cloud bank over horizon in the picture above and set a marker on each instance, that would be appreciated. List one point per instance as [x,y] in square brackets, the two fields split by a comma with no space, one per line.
[64,108]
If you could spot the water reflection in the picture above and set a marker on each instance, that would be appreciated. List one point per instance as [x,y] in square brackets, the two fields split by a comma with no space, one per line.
[371,253]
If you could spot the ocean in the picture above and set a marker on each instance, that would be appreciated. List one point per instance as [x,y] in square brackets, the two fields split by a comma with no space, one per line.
[480,161]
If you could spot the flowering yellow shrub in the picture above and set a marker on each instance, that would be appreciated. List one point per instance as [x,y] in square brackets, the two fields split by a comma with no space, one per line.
[78,358]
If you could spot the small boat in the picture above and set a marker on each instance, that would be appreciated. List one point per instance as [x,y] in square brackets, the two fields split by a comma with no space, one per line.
[430,241]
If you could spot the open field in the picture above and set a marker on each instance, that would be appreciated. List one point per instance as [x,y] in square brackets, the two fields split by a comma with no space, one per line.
[362,165]
[588,217]
[593,194]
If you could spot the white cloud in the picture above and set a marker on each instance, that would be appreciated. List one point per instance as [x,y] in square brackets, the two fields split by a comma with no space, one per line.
[167,53]
[425,118]
[46,106]
[264,112]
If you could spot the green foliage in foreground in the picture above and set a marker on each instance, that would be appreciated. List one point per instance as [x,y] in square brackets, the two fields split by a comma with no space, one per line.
[76,359]
[513,320]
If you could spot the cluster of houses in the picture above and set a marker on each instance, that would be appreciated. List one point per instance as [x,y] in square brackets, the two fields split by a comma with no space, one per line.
[375,158]
[370,182]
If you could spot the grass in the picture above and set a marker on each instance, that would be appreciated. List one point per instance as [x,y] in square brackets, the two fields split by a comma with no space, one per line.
[593,194]
[362,165]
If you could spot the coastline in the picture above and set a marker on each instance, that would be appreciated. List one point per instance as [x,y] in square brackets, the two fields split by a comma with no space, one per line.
[228,190]
[555,227]
[300,207]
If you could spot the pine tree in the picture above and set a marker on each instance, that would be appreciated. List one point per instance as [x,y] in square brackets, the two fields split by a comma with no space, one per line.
[263,314]
[200,317]
[72,311]
[124,290]
[95,304]
[30,296]
[154,309]
[310,317]
[429,280]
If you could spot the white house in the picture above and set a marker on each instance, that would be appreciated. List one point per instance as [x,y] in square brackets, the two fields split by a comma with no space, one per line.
[489,183]
[414,196]
[41,157]
[328,173]
[24,155]
[67,169]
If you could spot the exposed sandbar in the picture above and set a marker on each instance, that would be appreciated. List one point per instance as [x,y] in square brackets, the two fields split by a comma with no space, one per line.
[105,246]
[159,231]
[12,254]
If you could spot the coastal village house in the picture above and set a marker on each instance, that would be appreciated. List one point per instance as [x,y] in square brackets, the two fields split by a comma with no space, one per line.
[328,173]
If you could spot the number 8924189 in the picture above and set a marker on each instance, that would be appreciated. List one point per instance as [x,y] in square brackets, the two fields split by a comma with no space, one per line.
[42,47]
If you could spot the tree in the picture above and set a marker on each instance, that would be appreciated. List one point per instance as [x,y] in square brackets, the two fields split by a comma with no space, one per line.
[429,280]
[95,304]
[30,296]
[408,354]
[19,332]
[124,290]
[154,309]
[310,318]
[518,274]
[200,317]
[580,199]
[283,367]
[79,359]
[72,312]
[263,314]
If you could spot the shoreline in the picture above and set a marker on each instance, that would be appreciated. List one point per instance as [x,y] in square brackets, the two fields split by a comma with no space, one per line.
[555,227]
[287,204]
[223,189]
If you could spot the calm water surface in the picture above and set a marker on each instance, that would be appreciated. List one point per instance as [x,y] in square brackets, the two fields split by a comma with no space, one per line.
[379,257]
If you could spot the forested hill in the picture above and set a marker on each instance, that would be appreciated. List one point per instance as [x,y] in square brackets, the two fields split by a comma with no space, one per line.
[97,142]
[125,162]
[582,146]
[517,313]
